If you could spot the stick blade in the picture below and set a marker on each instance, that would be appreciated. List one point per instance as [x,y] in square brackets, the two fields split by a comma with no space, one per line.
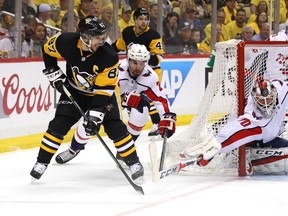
[154,161]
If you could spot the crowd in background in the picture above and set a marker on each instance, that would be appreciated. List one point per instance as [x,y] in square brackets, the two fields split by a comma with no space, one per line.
[186,25]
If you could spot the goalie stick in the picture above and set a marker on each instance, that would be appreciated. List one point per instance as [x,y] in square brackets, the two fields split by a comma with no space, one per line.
[158,175]
[135,186]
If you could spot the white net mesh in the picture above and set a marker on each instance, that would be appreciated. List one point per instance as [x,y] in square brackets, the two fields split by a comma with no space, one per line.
[220,102]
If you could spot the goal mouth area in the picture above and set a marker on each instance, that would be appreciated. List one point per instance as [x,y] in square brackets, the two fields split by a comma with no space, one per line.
[237,66]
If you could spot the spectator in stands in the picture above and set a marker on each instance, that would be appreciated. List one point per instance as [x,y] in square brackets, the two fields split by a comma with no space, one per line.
[27,9]
[282,6]
[106,18]
[247,33]
[170,27]
[64,23]
[260,19]
[235,27]
[262,7]
[94,9]
[84,9]
[38,40]
[30,23]
[264,33]
[202,10]
[126,18]
[182,43]
[195,36]
[153,16]
[206,45]
[230,11]
[64,8]
[143,4]
[7,45]
[190,16]
[220,20]
[120,6]
[44,15]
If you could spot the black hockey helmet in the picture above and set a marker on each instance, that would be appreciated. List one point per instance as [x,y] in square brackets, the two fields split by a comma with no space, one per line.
[91,26]
[140,12]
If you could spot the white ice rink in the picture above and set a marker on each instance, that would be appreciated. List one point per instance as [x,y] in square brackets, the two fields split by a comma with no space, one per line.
[91,184]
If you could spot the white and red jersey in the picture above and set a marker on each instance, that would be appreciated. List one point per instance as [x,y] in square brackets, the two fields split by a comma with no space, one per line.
[147,82]
[252,126]
[280,36]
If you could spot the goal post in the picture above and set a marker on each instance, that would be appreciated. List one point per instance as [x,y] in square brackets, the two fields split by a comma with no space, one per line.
[237,66]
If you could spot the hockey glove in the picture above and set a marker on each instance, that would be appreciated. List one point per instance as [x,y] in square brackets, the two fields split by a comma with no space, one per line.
[167,122]
[56,77]
[92,125]
[135,100]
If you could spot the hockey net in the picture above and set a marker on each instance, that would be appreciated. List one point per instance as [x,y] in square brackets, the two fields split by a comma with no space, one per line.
[236,68]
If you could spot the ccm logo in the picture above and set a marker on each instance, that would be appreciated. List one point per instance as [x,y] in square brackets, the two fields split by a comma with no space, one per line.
[269,152]
[168,172]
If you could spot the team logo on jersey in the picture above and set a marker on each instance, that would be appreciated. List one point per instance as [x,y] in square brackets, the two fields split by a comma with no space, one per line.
[51,45]
[147,74]
[83,79]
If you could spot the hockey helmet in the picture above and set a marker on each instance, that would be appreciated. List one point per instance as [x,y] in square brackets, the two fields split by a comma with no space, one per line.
[140,12]
[92,26]
[264,95]
[138,52]
[89,27]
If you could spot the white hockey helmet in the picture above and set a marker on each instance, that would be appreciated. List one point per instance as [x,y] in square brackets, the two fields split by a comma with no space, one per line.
[138,52]
[264,95]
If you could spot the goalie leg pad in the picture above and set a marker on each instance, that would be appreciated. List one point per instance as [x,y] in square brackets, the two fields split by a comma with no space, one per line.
[269,161]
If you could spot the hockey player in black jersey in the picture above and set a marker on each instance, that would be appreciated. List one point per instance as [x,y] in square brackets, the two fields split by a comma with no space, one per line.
[91,77]
[142,34]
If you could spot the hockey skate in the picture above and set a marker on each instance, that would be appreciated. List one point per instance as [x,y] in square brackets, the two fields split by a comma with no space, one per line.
[37,171]
[137,173]
[66,155]
[154,133]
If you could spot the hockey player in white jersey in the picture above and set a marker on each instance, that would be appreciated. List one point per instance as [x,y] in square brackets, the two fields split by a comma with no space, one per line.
[138,84]
[262,123]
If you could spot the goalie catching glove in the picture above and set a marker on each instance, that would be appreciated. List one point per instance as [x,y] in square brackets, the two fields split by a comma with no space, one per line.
[135,100]
[204,151]
[168,123]
[93,122]
[56,77]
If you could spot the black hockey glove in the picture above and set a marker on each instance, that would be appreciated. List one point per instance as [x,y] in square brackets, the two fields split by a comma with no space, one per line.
[168,122]
[135,100]
[92,125]
[56,77]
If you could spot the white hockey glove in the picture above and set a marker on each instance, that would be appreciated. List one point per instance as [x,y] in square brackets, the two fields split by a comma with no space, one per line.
[135,100]
[205,150]
[92,125]
[56,77]
[168,122]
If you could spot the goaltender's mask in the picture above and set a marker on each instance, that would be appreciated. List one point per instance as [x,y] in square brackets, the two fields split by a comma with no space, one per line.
[264,95]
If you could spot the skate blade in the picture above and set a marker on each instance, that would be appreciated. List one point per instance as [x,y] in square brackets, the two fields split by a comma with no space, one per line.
[124,166]
[139,180]
[33,180]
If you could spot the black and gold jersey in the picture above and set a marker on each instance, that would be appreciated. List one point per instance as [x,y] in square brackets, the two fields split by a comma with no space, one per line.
[150,38]
[89,73]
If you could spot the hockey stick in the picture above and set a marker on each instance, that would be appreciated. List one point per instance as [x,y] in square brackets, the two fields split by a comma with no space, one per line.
[163,150]
[158,175]
[135,186]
